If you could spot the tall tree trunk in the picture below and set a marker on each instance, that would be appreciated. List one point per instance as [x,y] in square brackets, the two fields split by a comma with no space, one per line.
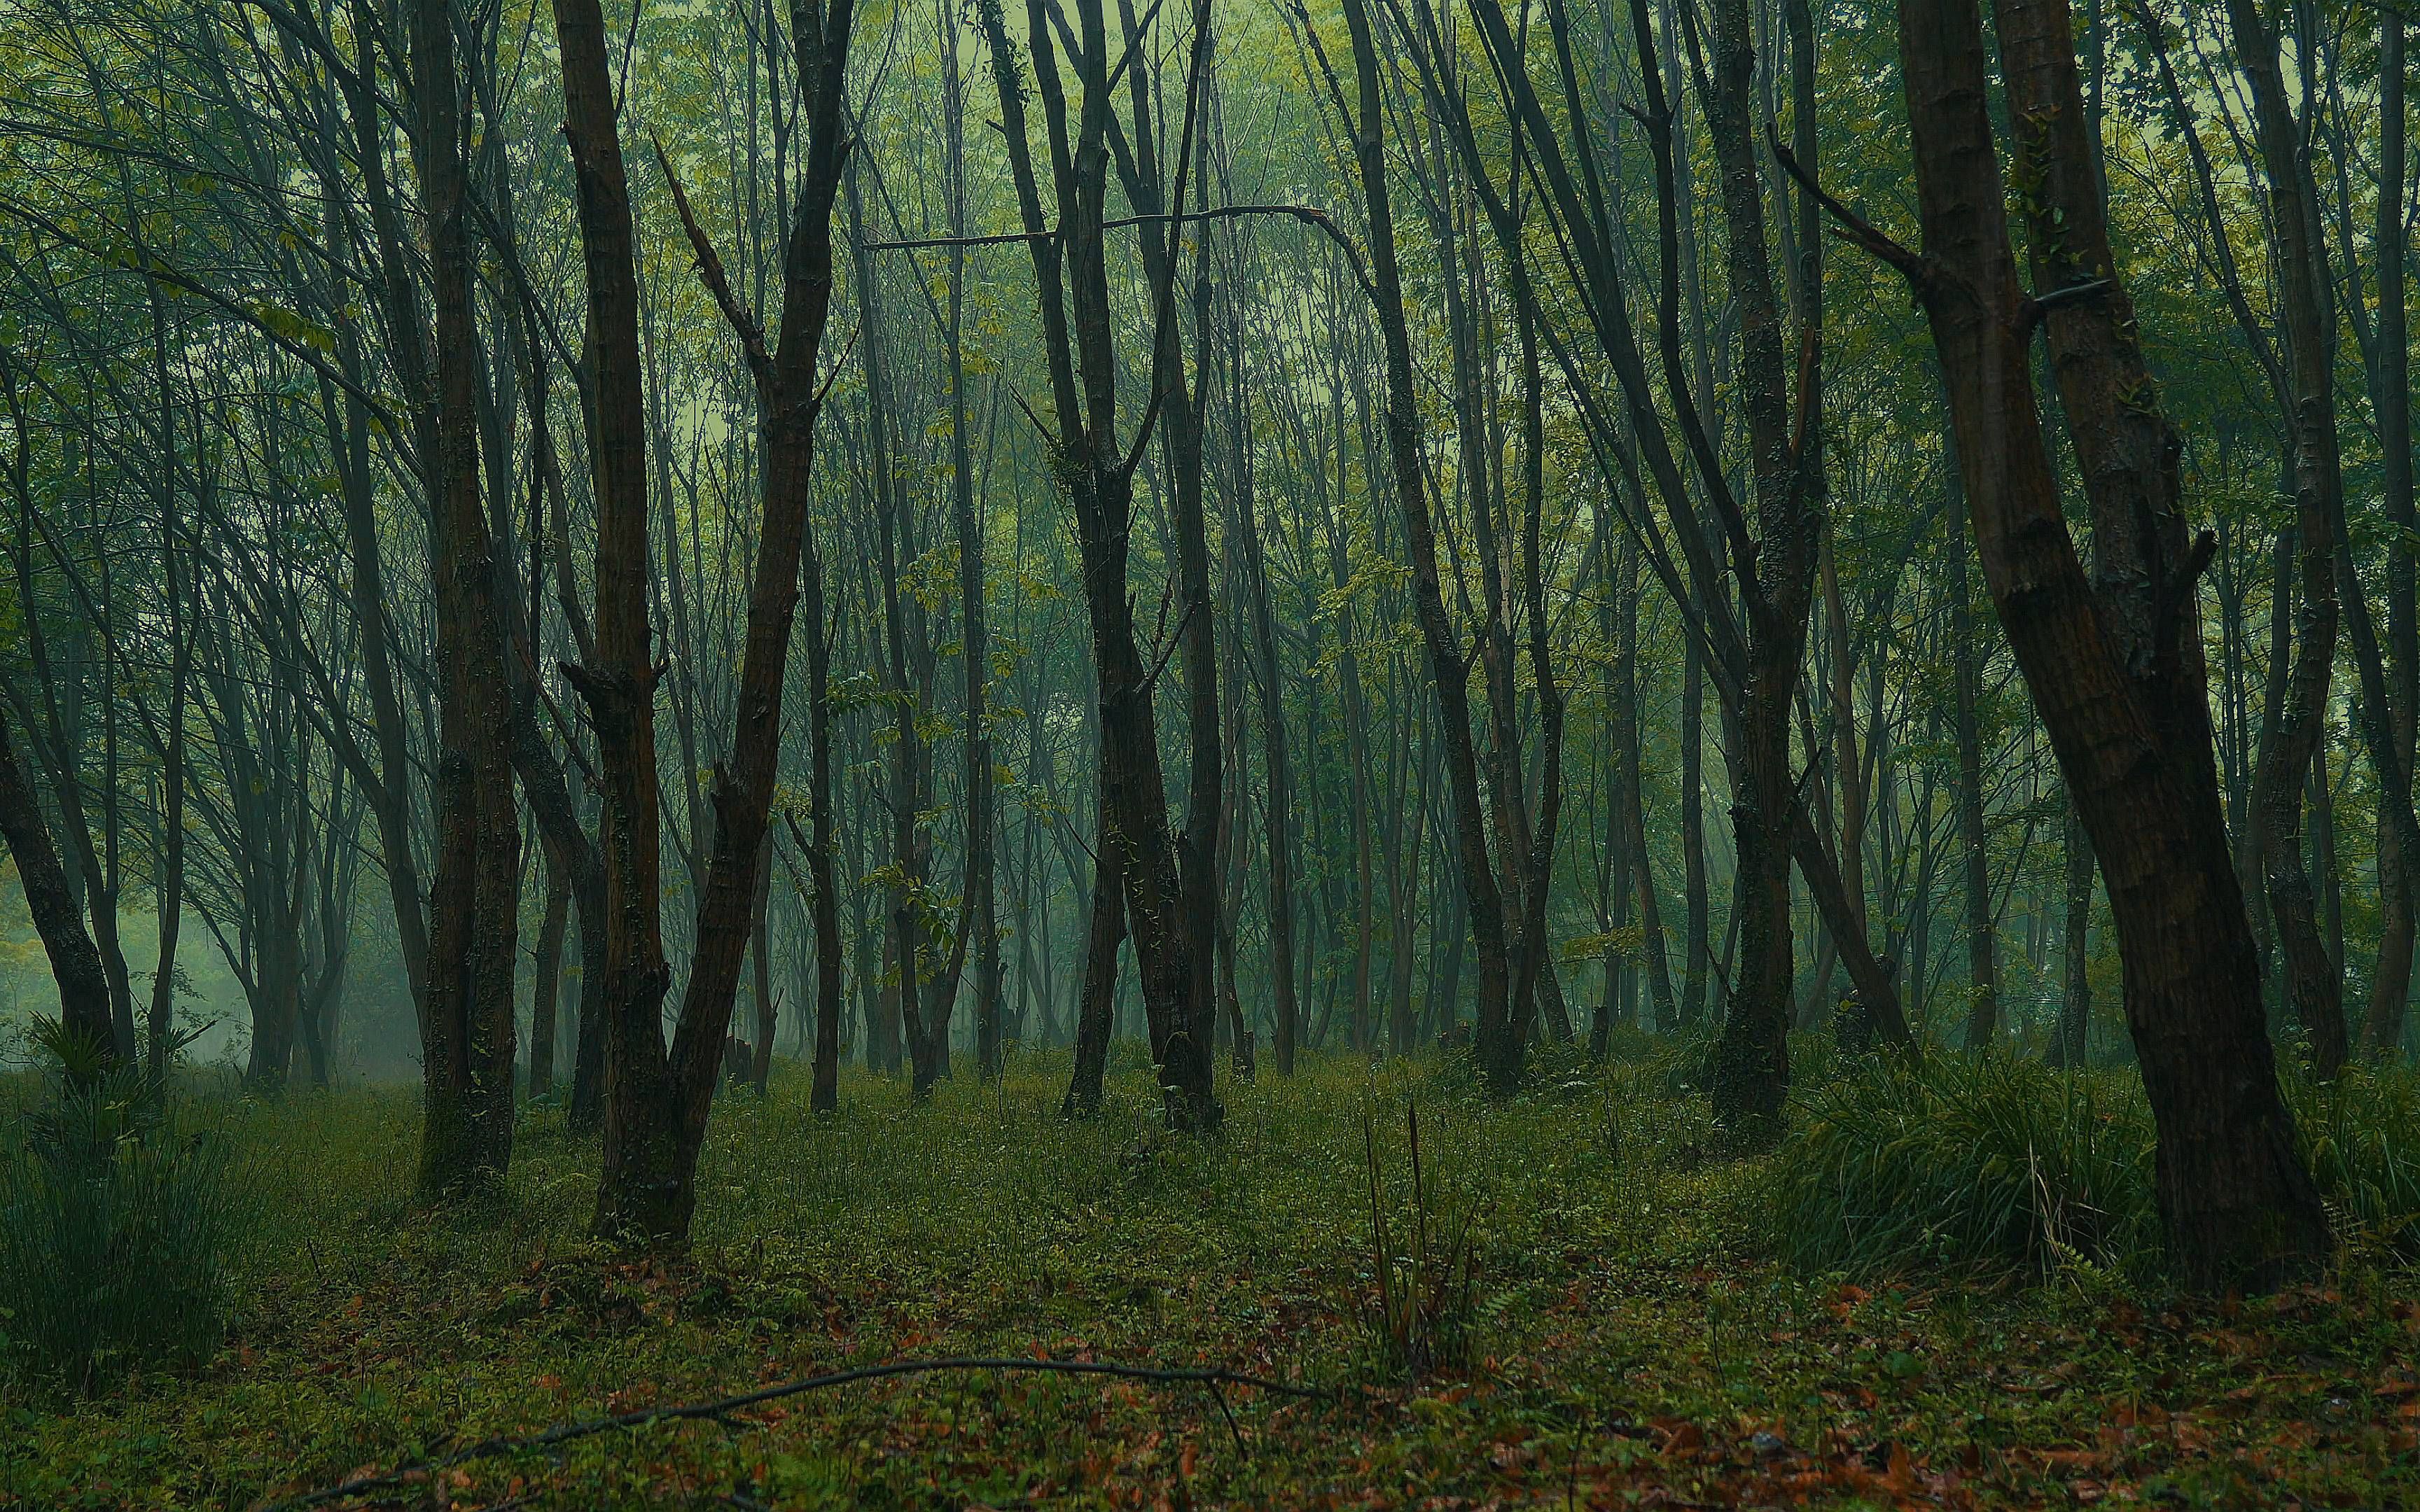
[1694,899]
[1749,1072]
[467,1041]
[1279,805]
[2116,674]
[1498,1037]
[618,677]
[2305,296]
[1631,799]
[1170,888]
[169,889]
[1973,838]
[2391,391]
[650,1191]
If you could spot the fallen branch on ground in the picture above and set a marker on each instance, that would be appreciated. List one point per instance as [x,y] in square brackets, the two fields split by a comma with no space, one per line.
[722,1409]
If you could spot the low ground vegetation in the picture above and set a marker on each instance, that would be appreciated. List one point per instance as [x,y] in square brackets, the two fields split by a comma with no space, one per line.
[1944,1290]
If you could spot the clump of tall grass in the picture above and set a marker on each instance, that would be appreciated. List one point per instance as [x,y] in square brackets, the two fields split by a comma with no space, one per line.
[2361,1135]
[116,1219]
[1423,1265]
[1956,1161]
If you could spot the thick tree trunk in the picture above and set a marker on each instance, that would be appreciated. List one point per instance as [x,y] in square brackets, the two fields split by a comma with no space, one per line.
[2108,670]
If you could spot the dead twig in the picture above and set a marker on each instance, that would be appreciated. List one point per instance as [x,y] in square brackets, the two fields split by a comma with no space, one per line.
[722,1409]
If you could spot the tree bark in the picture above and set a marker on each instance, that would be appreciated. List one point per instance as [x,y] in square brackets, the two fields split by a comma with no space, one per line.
[546,984]
[1499,1036]
[650,1188]
[2313,987]
[2130,728]
[2390,381]
[467,1040]
[75,964]
[2075,998]
[1973,838]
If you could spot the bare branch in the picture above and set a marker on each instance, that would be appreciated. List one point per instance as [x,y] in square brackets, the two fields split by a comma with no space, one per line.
[710,274]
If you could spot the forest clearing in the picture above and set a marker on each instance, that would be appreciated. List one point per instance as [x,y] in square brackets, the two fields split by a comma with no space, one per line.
[1626,1337]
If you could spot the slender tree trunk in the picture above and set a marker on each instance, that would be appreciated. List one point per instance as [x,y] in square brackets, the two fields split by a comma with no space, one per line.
[1632,801]
[2391,986]
[1973,838]
[2076,999]
[1499,1038]
[618,677]
[2314,990]
[650,1188]
[547,978]
[1106,930]
[1278,807]
[84,990]
[760,951]
[467,1042]
[168,891]
[1695,897]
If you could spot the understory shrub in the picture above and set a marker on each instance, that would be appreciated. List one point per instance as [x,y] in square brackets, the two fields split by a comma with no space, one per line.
[116,1224]
[2361,1135]
[1955,1160]
[1958,1161]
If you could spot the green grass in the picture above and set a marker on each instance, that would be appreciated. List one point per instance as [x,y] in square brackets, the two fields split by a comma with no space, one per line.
[118,1221]
[1959,1162]
[1634,1337]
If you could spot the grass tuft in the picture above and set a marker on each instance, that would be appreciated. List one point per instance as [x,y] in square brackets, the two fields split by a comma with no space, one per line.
[1955,1161]
[116,1224]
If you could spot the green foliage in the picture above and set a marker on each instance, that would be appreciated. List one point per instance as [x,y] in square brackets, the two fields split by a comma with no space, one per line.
[1959,1160]
[116,1219]
[2361,1135]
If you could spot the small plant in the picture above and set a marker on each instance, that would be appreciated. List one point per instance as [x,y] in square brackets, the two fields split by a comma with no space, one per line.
[1424,1264]
[114,1228]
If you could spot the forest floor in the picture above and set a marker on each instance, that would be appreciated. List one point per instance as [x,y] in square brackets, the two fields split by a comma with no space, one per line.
[1627,1345]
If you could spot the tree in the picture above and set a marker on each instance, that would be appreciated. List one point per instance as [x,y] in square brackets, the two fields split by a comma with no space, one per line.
[2114,666]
